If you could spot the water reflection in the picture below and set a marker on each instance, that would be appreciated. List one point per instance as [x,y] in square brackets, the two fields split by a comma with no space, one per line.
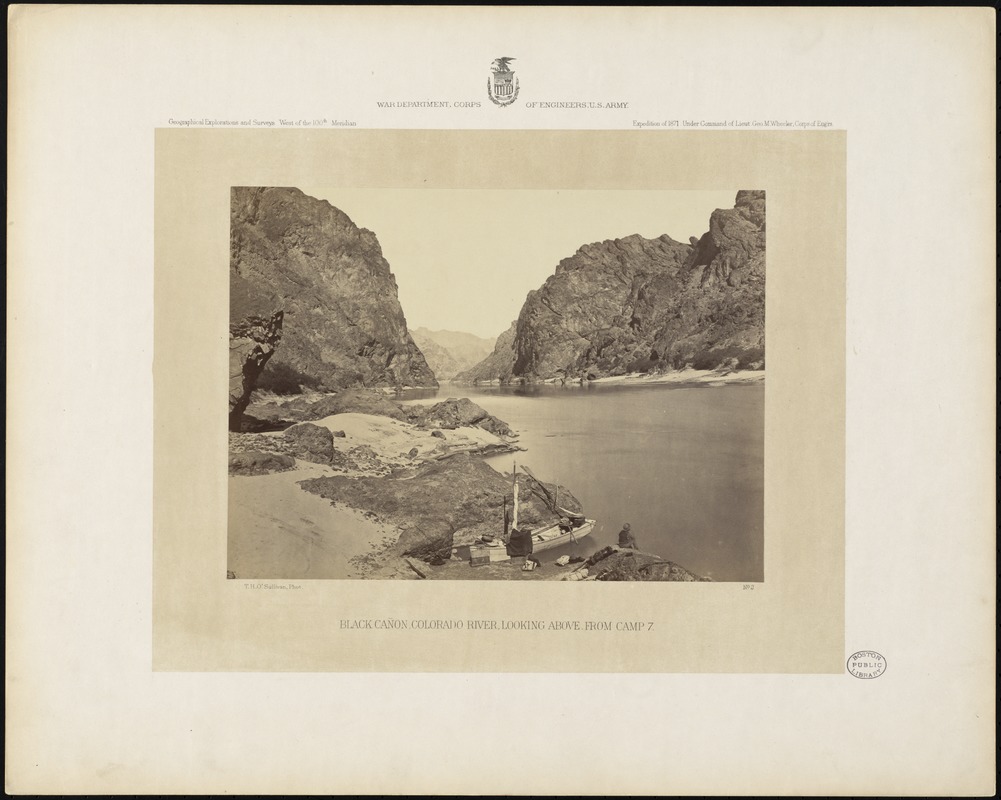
[413,395]
[683,463]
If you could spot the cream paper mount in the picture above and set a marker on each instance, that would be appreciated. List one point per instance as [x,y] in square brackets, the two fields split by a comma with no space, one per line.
[793,622]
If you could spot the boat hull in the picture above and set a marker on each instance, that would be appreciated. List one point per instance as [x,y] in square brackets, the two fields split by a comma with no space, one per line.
[548,538]
[543,539]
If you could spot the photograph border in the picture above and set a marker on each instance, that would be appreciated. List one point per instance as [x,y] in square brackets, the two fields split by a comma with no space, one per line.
[793,622]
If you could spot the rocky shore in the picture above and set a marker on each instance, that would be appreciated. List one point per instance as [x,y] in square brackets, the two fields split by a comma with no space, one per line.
[608,564]
[399,488]
[442,504]
[332,478]
[417,471]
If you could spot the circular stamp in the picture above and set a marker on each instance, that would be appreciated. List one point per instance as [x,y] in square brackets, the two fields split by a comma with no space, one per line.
[866,664]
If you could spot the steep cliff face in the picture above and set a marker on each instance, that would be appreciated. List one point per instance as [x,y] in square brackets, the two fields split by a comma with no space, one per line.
[343,322]
[640,305]
[599,310]
[718,316]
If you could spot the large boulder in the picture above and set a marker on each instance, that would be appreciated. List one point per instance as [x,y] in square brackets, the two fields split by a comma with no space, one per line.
[456,413]
[252,343]
[311,442]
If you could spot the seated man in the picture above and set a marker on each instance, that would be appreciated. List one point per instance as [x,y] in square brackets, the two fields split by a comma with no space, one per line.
[565,526]
[626,538]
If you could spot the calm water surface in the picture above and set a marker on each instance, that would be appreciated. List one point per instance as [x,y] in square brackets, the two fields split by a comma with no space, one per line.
[682,464]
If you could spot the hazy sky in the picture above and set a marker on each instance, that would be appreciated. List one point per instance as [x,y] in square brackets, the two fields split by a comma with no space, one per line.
[464,260]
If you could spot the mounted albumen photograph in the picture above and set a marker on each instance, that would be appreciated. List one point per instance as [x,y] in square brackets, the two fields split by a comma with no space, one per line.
[446,384]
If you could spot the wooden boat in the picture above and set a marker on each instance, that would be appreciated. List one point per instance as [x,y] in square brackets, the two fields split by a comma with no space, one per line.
[551,536]
[545,538]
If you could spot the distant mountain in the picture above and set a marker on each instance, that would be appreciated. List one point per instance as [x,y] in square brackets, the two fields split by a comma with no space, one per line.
[640,305]
[343,324]
[450,352]
[442,364]
[498,366]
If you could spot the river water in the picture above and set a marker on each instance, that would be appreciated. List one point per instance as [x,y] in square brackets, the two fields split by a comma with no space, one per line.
[683,464]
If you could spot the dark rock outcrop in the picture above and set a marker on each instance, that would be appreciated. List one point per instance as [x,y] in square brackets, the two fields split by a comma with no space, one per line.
[590,316]
[622,564]
[634,565]
[718,316]
[642,305]
[302,409]
[357,401]
[456,413]
[443,504]
[362,458]
[254,462]
[446,415]
[311,442]
[252,343]
[343,322]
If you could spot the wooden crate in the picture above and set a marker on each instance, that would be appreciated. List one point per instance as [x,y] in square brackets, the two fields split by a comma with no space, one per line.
[489,553]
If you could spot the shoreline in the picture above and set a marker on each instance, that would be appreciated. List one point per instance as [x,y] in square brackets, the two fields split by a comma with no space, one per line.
[703,376]
[279,532]
[385,492]
[685,376]
[691,376]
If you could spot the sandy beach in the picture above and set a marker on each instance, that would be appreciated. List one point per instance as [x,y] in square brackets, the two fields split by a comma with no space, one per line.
[278,531]
[392,440]
[707,376]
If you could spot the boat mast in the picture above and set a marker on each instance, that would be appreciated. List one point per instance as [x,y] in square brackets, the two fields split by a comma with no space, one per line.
[514,517]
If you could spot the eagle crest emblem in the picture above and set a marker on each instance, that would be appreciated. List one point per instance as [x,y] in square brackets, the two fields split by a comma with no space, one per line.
[502,85]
